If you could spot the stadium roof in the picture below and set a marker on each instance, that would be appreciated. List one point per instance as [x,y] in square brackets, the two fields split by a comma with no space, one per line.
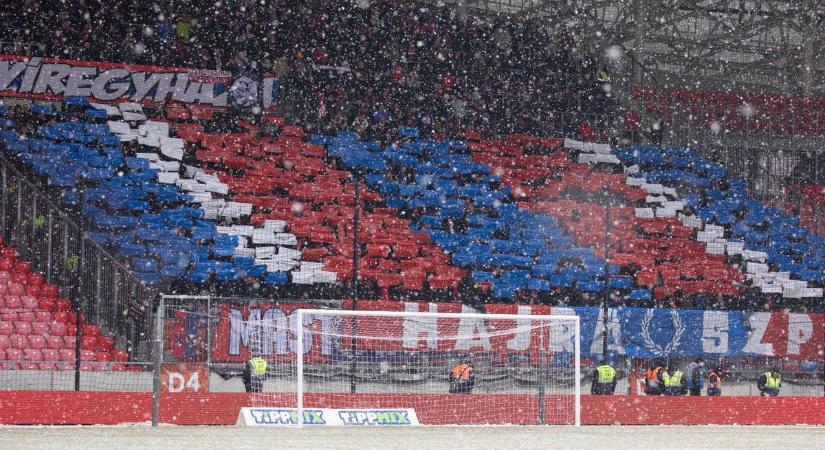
[765,46]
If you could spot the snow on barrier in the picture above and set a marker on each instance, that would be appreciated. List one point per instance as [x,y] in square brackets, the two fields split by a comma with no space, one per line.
[110,408]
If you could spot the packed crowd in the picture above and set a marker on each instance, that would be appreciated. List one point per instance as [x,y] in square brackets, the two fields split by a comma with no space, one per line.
[368,67]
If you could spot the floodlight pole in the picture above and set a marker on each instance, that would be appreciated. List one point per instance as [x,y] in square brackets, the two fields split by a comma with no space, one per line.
[355,253]
[606,299]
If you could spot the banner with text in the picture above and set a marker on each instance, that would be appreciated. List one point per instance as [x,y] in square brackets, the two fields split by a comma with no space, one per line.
[327,417]
[52,79]
[636,332]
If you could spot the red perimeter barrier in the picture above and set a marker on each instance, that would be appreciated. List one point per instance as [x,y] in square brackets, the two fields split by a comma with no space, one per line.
[109,408]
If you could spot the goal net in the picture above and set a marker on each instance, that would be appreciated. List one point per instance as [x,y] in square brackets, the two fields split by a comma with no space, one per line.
[382,368]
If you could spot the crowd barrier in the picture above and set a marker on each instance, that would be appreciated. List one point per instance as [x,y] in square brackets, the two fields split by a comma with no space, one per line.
[112,408]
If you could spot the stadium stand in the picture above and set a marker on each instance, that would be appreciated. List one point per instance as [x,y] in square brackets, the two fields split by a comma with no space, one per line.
[776,114]
[409,63]
[808,202]
[456,220]
[38,328]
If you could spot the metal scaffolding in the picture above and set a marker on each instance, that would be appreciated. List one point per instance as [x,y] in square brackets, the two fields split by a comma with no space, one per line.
[759,46]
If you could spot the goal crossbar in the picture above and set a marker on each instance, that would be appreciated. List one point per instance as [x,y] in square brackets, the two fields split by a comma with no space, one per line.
[299,339]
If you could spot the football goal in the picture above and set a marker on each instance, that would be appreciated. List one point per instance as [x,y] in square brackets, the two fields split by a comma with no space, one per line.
[340,367]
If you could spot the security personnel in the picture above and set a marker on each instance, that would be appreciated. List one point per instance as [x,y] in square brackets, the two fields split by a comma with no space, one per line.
[695,380]
[770,382]
[462,378]
[675,382]
[715,382]
[653,379]
[254,374]
[604,380]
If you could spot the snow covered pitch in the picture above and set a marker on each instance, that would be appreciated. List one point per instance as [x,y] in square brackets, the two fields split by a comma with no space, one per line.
[492,437]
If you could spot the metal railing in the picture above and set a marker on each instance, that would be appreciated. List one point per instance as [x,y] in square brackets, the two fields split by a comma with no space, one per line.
[45,235]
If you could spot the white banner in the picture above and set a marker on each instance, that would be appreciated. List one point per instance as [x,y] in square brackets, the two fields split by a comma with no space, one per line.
[50,78]
[275,417]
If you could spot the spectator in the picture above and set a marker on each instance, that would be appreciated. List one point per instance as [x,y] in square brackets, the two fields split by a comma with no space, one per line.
[696,379]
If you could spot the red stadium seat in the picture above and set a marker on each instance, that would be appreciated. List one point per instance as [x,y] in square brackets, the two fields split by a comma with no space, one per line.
[67,354]
[20,278]
[33,355]
[24,328]
[36,279]
[62,304]
[103,356]
[8,315]
[28,365]
[378,250]
[40,328]
[87,355]
[14,354]
[413,280]
[42,316]
[106,343]
[69,342]
[50,354]
[389,279]
[25,316]
[61,317]
[90,330]
[33,291]
[88,342]
[18,341]
[36,341]
[54,342]
[46,304]
[23,267]
[5,341]
[57,329]
[6,328]
[120,355]
[29,302]
[13,302]
[50,291]
[16,289]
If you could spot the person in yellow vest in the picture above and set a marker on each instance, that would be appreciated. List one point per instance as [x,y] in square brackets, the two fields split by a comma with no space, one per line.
[462,378]
[604,380]
[674,381]
[714,382]
[254,373]
[770,382]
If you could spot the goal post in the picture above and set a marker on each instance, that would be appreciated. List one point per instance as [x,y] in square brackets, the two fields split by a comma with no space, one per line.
[349,367]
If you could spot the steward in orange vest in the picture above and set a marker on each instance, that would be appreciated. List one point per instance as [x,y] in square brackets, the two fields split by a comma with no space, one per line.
[462,378]
[715,382]
[654,385]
